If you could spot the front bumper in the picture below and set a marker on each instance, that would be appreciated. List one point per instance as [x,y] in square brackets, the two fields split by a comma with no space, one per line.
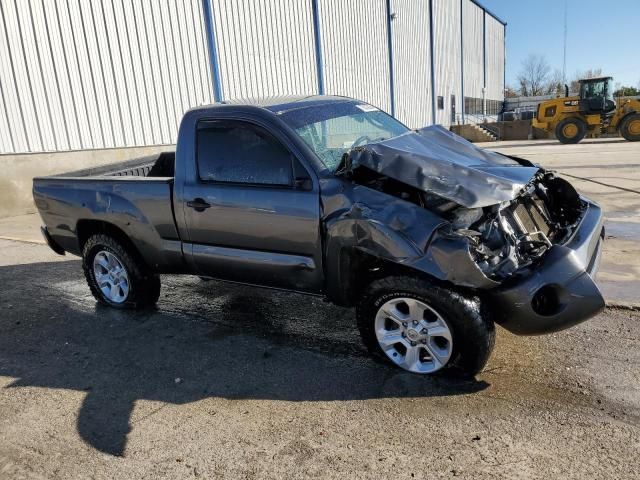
[560,292]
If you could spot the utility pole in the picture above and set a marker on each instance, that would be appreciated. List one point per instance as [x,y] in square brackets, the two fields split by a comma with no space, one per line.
[564,55]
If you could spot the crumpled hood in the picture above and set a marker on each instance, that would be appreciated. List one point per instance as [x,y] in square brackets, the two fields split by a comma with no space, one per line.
[436,160]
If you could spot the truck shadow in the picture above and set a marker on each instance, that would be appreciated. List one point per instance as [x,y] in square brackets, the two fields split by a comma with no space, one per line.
[205,339]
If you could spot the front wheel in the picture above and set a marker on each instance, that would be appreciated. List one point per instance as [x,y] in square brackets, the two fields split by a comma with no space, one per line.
[424,328]
[630,128]
[117,276]
[571,130]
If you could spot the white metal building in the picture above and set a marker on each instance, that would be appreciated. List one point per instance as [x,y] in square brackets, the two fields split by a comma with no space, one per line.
[89,74]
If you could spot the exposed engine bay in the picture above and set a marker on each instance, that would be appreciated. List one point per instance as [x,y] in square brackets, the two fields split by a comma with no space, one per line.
[505,237]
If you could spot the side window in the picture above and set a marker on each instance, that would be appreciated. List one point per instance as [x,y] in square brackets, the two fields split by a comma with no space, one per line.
[238,152]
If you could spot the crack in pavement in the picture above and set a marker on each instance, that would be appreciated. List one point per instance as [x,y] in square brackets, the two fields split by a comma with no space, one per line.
[630,190]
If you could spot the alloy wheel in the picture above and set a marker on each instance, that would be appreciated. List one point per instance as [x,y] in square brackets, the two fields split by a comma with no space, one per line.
[413,335]
[111,276]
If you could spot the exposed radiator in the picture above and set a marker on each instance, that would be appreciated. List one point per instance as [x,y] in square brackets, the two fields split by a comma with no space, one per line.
[530,215]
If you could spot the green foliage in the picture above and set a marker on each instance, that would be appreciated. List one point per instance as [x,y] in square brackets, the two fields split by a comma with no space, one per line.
[626,92]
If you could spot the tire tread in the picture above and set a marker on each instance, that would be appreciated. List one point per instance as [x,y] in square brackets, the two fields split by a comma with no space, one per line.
[145,285]
[474,332]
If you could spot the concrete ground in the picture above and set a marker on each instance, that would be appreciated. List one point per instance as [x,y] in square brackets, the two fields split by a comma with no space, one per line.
[224,382]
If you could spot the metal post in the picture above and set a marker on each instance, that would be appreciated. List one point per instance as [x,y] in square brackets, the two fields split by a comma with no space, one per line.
[484,64]
[462,102]
[504,66]
[390,48]
[318,47]
[212,49]
[433,74]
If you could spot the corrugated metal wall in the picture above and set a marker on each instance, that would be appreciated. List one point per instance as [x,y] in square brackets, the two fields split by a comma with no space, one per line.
[265,48]
[494,42]
[447,51]
[411,62]
[355,48]
[83,74]
[472,48]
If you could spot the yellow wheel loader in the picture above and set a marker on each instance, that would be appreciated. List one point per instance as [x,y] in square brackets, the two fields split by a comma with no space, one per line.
[592,113]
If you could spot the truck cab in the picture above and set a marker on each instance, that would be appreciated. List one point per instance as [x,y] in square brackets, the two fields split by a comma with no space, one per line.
[596,96]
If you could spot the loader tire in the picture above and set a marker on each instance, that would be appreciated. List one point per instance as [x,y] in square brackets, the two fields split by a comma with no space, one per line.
[571,130]
[630,127]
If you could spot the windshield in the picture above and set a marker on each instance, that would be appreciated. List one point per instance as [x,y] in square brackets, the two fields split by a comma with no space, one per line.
[331,130]
[599,88]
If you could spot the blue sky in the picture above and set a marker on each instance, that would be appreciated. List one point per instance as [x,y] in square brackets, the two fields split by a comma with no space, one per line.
[601,34]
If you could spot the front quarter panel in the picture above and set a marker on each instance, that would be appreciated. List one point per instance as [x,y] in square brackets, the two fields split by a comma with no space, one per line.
[357,219]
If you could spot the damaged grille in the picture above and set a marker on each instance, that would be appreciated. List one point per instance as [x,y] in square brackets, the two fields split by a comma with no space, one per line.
[530,215]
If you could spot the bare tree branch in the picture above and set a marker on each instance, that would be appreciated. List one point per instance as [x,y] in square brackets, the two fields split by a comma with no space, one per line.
[534,75]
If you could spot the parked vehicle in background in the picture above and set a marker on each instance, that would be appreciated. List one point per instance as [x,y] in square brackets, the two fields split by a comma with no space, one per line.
[430,238]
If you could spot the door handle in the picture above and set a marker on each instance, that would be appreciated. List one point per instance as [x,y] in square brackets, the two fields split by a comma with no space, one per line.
[198,204]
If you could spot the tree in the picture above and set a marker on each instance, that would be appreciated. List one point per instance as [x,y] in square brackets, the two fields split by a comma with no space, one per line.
[534,75]
[591,73]
[622,91]
[555,85]
[510,91]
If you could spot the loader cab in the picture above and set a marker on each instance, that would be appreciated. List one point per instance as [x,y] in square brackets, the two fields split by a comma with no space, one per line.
[596,95]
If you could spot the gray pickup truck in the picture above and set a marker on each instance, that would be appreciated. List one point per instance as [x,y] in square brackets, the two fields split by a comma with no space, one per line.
[430,238]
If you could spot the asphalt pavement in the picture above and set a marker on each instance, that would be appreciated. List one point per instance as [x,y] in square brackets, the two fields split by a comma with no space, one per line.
[223,381]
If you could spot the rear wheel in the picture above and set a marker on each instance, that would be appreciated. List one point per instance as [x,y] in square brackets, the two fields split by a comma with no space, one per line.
[630,127]
[424,328]
[571,130]
[116,276]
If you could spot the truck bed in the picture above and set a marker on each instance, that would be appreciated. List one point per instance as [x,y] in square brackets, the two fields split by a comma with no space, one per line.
[135,197]
[152,166]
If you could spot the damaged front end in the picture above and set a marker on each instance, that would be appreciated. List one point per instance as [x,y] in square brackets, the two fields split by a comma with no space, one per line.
[531,254]
[507,237]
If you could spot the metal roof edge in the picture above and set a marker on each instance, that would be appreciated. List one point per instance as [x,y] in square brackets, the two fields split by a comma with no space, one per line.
[486,10]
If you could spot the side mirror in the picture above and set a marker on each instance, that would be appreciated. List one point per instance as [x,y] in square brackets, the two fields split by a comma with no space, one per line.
[303,183]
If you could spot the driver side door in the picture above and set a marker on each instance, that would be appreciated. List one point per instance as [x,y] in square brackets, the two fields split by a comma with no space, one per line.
[253,211]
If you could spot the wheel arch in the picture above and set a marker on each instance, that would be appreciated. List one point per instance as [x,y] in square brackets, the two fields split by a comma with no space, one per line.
[358,268]
[624,117]
[86,228]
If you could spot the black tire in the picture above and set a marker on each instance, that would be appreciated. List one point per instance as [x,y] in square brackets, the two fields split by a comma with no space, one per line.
[628,131]
[567,126]
[473,333]
[144,286]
